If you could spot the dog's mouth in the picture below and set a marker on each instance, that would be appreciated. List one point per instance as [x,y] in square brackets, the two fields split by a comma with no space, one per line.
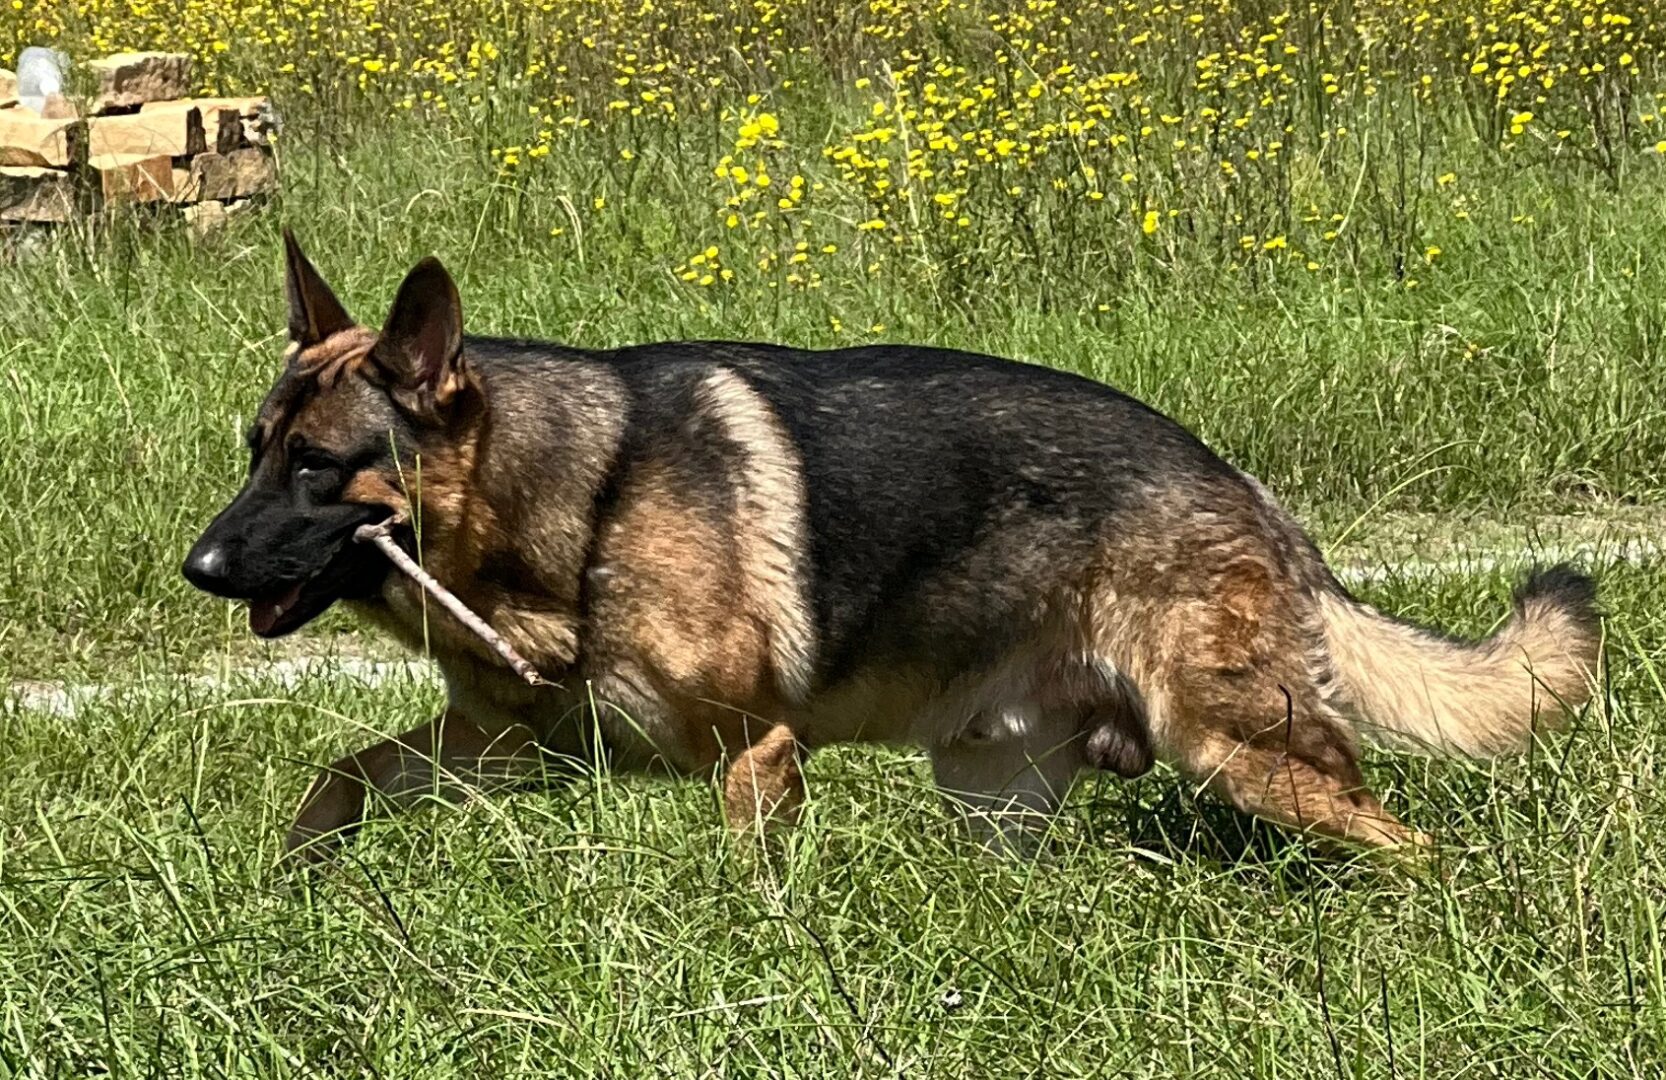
[275,616]
[355,572]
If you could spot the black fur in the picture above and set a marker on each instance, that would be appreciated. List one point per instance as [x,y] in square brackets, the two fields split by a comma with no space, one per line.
[283,530]
[1570,589]
[912,458]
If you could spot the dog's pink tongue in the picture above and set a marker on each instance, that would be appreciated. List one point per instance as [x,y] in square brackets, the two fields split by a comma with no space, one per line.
[264,614]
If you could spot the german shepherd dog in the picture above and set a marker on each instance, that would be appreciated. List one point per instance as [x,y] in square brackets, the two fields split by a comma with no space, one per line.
[722,556]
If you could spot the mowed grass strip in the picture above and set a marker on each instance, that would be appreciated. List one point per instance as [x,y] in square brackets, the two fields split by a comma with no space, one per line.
[609,926]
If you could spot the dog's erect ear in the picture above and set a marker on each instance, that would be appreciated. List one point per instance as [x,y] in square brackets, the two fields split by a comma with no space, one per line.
[314,311]
[420,350]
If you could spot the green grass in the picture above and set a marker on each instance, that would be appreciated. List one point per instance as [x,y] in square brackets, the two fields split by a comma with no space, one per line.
[610,927]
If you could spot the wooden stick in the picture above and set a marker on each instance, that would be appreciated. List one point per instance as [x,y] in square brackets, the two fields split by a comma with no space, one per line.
[382,536]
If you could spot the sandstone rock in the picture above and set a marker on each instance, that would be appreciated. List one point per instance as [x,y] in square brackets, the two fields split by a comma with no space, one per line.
[247,107]
[222,119]
[260,120]
[236,175]
[129,79]
[227,128]
[8,88]
[134,178]
[204,218]
[28,193]
[185,188]
[30,140]
[58,107]
[172,132]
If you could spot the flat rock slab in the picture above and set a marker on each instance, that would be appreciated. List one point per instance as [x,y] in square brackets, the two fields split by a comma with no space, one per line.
[255,119]
[176,132]
[246,107]
[30,140]
[185,188]
[207,217]
[134,178]
[221,120]
[126,80]
[28,193]
[236,175]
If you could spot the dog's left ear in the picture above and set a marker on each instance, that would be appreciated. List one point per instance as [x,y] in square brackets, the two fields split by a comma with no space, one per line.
[420,350]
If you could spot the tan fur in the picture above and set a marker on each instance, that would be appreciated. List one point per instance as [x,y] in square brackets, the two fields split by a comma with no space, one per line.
[324,418]
[1213,632]
[342,352]
[772,538]
[1413,691]
[545,634]
[663,592]
[900,705]
[377,489]
[764,784]
[323,363]
[1294,792]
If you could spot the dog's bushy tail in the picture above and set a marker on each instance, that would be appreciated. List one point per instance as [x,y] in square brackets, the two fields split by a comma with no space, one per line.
[1413,689]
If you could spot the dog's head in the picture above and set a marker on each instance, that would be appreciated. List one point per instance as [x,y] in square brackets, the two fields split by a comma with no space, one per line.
[335,445]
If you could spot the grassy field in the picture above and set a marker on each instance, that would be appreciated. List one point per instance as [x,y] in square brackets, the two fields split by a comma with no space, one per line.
[1427,322]
[612,928]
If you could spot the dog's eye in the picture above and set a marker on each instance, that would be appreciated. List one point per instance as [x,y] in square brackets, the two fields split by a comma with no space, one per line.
[320,473]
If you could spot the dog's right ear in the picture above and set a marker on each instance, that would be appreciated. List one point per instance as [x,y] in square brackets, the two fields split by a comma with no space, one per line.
[314,311]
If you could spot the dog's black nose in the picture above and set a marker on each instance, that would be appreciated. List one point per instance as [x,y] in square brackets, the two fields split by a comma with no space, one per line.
[205,568]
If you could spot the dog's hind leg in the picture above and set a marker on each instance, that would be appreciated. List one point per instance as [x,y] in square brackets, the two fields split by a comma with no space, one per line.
[1229,679]
[451,758]
[1297,770]
[1008,770]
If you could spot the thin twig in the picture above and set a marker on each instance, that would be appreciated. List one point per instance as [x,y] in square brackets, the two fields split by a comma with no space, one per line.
[382,536]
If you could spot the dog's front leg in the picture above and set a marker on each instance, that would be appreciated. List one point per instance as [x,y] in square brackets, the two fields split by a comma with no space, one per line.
[763,783]
[450,757]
